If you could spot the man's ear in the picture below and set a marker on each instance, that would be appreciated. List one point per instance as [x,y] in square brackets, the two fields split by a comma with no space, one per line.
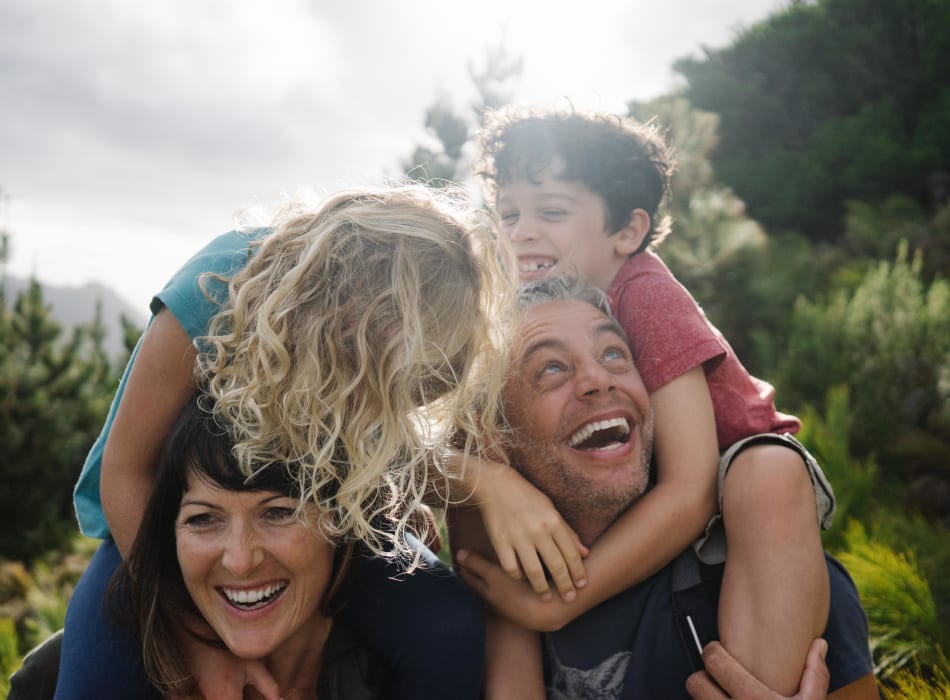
[628,240]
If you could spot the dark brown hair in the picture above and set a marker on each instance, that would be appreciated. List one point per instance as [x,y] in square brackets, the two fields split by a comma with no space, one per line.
[148,594]
[626,163]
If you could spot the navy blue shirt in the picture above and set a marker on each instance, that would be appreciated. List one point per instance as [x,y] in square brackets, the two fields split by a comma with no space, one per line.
[631,646]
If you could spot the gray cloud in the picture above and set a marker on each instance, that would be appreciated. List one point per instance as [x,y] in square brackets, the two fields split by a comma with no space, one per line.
[123,122]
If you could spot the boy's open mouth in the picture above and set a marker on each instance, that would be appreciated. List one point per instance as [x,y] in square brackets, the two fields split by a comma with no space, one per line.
[526,265]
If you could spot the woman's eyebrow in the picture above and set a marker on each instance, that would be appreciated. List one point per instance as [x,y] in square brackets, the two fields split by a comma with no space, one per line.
[198,502]
[273,497]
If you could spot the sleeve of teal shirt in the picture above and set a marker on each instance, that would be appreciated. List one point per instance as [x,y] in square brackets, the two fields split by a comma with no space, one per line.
[193,294]
[185,296]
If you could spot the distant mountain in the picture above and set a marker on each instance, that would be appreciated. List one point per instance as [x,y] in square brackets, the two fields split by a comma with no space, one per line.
[72,306]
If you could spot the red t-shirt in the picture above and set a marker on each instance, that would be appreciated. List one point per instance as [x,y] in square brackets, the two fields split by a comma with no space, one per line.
[670,334]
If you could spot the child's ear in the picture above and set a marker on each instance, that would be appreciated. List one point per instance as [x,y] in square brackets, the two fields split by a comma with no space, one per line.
[628,240]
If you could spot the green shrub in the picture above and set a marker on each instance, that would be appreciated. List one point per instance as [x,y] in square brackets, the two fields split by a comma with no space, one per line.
[902,615]
[889,343]
[9,656]
[34,596]
[55,389]
[827,438]
[928,542]
[915,685]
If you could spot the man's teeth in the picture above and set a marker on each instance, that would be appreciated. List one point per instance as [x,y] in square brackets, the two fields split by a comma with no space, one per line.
[588,430]
[250,598]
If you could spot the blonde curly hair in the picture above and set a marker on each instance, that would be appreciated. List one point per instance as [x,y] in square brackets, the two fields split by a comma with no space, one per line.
[362,337]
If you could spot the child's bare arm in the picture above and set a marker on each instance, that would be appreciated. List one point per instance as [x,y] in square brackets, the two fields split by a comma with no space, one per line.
[160,382]
[523,527]
[659,526]
[724,677]
[513,666]
[665,520]
[218,673]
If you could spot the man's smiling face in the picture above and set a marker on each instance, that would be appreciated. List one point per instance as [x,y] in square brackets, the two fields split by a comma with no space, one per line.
[582,417]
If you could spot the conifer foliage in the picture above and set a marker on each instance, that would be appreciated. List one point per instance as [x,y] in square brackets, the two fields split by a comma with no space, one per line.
[54,392]
[828,101]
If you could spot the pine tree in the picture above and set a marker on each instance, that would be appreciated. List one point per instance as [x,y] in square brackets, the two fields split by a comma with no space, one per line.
[829,101]
[54,392]
[443,160]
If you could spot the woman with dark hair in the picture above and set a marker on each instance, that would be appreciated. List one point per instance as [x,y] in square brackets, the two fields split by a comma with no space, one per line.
[353,337]
[240,563]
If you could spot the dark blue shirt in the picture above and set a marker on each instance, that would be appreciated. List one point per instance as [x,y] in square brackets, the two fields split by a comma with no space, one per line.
[631,646]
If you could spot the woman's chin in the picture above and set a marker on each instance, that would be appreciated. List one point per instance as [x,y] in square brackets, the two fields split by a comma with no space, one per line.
[250,646]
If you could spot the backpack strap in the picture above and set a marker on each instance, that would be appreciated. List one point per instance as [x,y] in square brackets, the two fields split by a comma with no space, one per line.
[695,591]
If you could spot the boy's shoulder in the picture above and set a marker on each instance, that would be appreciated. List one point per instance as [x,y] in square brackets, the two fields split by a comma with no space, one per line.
[640,267]
[646,288]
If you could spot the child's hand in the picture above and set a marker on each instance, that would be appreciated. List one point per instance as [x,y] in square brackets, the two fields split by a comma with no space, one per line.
[510,599]
[221,675]
[226,678]
[525,529]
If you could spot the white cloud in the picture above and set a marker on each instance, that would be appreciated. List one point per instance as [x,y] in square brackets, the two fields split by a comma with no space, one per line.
[132,130]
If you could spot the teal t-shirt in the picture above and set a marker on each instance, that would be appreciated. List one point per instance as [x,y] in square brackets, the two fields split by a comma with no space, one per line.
[193,308]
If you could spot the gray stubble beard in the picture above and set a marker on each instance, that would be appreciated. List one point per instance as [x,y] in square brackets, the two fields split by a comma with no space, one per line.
[589,510]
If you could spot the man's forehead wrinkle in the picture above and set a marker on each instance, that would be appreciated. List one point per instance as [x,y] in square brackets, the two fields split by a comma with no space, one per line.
[555,342]
[550,343]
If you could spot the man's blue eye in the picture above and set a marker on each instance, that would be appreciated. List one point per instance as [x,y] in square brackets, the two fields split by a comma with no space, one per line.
[615,354]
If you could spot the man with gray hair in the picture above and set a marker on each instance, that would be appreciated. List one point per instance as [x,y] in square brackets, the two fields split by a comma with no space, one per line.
[581,432]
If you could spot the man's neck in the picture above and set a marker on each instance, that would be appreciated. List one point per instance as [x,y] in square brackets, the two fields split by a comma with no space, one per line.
[588,532]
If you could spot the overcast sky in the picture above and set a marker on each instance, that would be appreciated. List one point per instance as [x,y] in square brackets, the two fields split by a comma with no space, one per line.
[132,130]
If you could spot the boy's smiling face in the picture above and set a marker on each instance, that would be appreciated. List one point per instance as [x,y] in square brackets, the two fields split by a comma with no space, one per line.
[559,226]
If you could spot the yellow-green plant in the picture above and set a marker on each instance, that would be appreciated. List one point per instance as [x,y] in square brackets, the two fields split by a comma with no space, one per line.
[902,615]
[827,437]
[9,657]
[47,602]
[34,597]
[912,684]
[928,541]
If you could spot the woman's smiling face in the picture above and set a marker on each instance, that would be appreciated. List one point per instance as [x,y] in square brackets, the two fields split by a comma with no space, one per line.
[256,571]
